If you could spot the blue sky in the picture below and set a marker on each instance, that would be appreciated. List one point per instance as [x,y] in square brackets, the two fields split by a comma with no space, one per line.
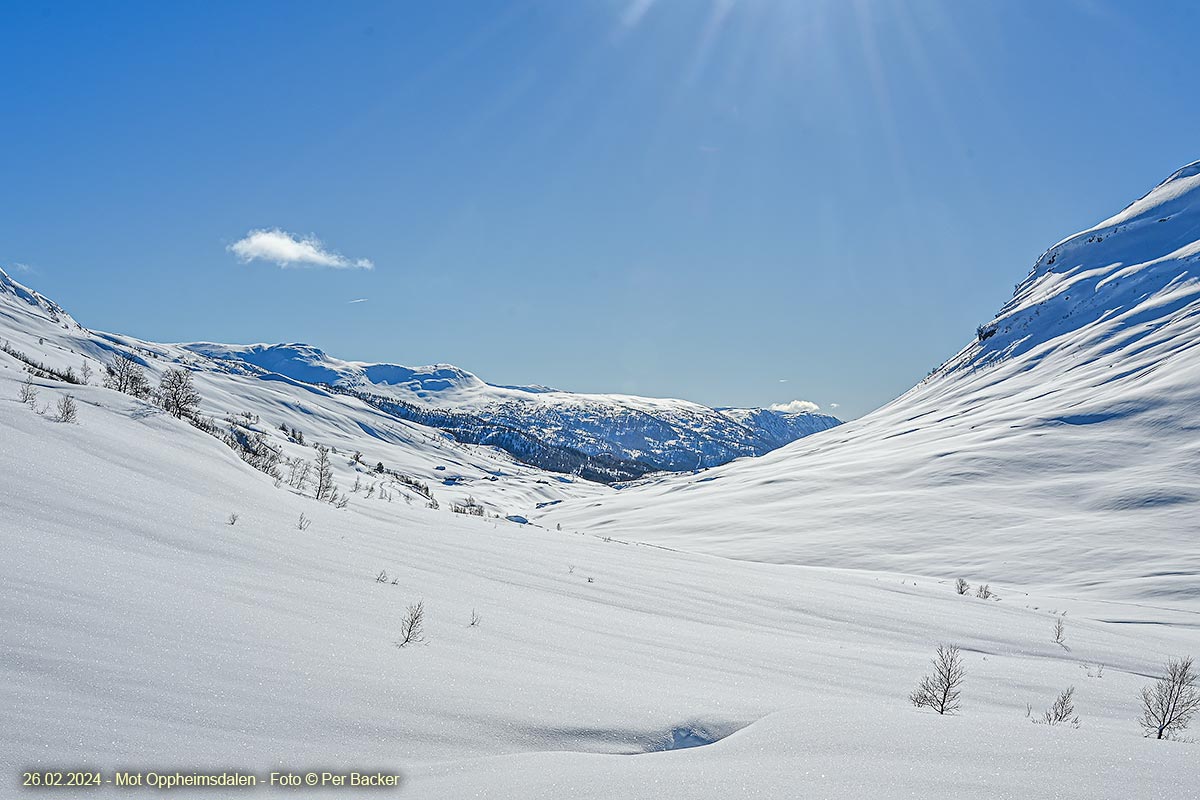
[741,203]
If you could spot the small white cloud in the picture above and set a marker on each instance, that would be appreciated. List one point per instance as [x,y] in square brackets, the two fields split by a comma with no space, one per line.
[358,300]
[783,380]
[289,250]
[834,405]
[797,407]
[19,267]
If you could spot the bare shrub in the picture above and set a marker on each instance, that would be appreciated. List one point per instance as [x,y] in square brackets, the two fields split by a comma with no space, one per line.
[303,523]
[67,411]
[28,392]
[233,518]
[1060,633]
[984,591]
[1169,704]
[961,586]
[468,507]
[1062,712]
[475,619]
[940,691]
[412,625]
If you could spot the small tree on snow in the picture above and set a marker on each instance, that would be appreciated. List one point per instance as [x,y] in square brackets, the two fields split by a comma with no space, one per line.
[28,392]
[412,625]
[298,476]
[1060,633]
[1170,703]
[325,489]
[961,586]
[176,393]
[66,409]
[940,690]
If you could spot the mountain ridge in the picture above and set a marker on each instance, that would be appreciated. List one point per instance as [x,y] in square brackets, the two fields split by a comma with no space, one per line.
[603,437]
[660,433]
[1061,446]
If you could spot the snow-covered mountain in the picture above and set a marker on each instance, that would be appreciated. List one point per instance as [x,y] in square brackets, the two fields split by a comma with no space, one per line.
[1061,447]
[168,608]
[635,435]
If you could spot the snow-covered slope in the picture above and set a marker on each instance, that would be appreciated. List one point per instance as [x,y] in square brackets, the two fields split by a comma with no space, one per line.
[33,328]
[142,631]
[659,434]
[1061,448]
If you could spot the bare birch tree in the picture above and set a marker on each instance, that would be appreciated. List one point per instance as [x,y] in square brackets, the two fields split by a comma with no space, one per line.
[1169,704]
[126,375]
[940,691]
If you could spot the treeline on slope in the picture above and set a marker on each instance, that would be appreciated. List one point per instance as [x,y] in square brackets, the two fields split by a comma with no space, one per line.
[521,445]
[176,394]
[40,370]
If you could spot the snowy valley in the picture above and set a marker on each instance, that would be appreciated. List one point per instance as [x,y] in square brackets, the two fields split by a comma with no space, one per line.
[742,629]
[1058,450]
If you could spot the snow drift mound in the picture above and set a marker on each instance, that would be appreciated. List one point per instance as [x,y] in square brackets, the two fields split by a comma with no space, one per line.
[1061,448]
